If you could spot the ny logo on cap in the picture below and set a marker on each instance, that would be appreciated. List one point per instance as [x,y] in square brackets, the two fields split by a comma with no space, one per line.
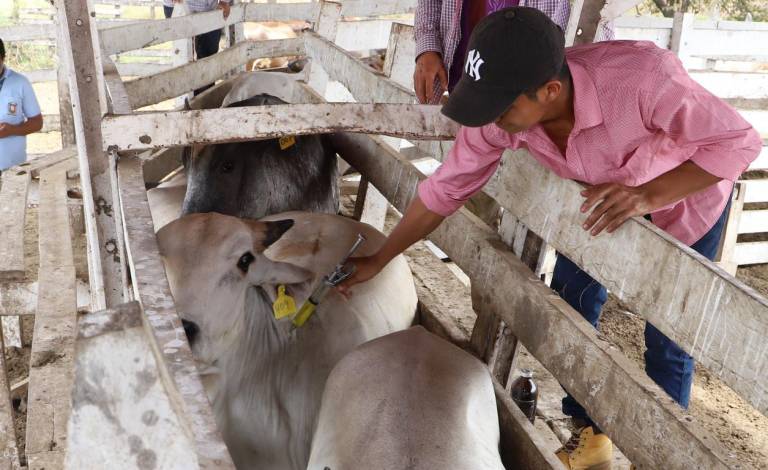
[473,64]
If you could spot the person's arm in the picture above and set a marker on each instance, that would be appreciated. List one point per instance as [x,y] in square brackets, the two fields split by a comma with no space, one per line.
[619,203]
[30,109]
[725,144]
[33,124]
[224,6]
[470,164]
[429,51]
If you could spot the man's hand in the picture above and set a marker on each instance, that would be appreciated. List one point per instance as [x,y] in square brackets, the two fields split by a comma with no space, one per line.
[365,269]
[224,7]
[617,203]
[428,66]
[5,130]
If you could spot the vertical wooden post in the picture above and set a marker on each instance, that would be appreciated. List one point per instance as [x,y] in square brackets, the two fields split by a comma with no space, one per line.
[98,178]
[326,26]
[66,120]
[731,231]
[682,25]
[584,21]
[183,49]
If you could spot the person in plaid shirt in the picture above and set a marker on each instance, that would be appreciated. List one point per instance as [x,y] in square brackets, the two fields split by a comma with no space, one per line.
[442,29]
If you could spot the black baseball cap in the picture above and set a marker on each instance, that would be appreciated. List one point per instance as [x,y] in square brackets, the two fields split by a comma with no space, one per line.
[510,52]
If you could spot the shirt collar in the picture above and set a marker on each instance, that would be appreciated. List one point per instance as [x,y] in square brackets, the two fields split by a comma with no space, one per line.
[586,103]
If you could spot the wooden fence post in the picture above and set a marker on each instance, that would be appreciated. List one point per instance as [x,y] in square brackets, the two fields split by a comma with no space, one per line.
[682,26]
[97,176]
[326,26]
[183,49]
[66,119]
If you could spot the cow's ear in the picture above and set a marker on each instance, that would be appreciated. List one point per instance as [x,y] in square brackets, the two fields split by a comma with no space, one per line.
[275,230]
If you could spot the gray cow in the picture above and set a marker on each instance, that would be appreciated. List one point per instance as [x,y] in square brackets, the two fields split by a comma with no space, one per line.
[259,178]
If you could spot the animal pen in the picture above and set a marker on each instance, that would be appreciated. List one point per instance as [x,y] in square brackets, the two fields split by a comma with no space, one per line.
[134,337]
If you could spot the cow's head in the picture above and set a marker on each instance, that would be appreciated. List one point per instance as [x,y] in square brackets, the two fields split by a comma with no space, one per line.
[212,262]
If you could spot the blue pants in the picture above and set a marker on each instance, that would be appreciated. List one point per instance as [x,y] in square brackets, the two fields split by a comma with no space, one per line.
[668,365]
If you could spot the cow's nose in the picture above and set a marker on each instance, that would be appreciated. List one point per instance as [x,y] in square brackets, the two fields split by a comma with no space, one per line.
[190,329]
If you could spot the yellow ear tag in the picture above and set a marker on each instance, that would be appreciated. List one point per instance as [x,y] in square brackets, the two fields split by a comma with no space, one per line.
[287,142]
[284,304]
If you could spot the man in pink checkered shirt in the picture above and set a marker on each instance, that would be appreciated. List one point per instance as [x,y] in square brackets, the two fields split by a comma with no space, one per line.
[442,29]
[622,117]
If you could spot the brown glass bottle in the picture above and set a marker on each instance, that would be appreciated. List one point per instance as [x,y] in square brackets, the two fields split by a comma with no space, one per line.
[525,394]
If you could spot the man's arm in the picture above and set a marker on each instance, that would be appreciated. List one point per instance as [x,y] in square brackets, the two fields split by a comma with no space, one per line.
[430,67]
[620,203]
[723,145]
[416,224]
[29,126]
[470,164]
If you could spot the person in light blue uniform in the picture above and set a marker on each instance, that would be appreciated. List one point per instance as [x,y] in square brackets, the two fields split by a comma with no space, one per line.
[19,114]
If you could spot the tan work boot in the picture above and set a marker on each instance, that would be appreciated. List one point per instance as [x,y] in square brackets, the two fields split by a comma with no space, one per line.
[587,451]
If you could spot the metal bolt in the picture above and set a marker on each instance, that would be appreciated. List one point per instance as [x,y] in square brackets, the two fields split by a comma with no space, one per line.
[79,22]
[88,79]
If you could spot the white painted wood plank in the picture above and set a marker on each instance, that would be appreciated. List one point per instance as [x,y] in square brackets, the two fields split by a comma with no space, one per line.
[756,191]
[363,8]
[148,33]
[50,375]
[179,80]
[761,162]
[123,416]
[363,35]
[152,291]
[753,221]
[105,272]
[750,253]
[161,129]
[13,209]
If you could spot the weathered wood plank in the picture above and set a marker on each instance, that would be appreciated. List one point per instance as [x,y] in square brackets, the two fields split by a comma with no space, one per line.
[147,33]
[13,209]
[364,8]
[751,253]
[730,234]
[153,292]
[595,372]
[35,166]
[9,452]
[718,320]
[120,404]
[365,84]
[754,221]
[179,80]
[105,272]
[117,95]
[755,190]
[50,375]
[161,129]
[18,298]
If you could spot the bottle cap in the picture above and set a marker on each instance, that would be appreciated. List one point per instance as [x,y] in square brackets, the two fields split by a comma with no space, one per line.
[526,373]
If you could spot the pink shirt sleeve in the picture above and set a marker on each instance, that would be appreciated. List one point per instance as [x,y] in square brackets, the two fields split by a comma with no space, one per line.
[470,164]
[725,143]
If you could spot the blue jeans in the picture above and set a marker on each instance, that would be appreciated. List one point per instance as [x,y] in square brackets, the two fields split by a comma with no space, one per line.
[668,365]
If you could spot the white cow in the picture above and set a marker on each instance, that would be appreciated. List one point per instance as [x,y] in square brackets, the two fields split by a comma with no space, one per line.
[265,381]
[409,400]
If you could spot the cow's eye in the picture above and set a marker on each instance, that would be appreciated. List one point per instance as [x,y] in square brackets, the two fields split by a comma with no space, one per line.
[227,167]
[245,261]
